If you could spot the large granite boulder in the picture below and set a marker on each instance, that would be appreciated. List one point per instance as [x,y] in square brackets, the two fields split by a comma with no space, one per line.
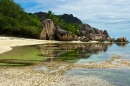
[84,39]
[106,34]
[90,36]
[48,30]
[97,31]
[85,29]
[51,32]
[88,32]
[77,38]
[63,35]
[83,33]
[98,37]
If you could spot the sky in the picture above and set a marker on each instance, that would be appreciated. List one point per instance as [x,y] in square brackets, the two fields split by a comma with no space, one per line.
[110,15]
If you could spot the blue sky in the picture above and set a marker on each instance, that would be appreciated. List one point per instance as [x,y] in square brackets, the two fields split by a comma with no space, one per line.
[112,15]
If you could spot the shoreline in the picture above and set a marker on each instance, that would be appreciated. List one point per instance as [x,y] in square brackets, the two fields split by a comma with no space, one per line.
[7,43]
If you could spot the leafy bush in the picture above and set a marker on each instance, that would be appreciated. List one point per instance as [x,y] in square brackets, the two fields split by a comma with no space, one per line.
[14,21]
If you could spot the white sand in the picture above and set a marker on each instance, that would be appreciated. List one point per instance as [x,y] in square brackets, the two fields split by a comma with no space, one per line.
[6,43]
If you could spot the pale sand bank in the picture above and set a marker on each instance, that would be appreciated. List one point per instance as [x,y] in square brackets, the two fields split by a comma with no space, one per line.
[6,43]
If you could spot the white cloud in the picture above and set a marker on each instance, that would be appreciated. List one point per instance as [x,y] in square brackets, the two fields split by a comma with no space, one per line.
[82,8]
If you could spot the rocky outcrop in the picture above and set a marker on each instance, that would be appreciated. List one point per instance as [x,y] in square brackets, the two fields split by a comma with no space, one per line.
[121,39]
[63,35]
[85,29]
[51,32]
[48,30]
[106,34]
[87,32]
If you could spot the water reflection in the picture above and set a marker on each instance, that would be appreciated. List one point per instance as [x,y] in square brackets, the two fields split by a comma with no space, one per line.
[121,44]
[72,52]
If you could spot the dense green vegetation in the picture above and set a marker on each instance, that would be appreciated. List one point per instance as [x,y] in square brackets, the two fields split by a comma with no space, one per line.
[15,22]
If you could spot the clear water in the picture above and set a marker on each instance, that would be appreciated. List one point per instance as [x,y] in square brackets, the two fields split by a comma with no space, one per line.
[80,54]
[118,77]
[84,53]
[112,51]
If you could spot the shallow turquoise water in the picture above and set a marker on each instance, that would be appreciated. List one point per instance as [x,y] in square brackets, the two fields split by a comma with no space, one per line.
[118,77]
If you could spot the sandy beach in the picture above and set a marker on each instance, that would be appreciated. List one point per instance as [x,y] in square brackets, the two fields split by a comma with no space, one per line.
[6,43]
[52,74]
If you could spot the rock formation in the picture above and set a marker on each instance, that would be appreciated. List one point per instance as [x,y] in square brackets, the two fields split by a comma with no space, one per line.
[63,35]
[121,39]
[51,32]
[48,29]
[87,32]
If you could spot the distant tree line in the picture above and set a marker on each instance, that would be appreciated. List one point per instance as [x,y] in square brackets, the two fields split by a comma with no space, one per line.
[15,22]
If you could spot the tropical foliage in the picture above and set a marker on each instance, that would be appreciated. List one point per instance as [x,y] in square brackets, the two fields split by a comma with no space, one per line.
[15,22]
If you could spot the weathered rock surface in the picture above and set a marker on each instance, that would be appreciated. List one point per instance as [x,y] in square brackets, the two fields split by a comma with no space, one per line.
[48,29]
[90,33]
[106,34]
[51,32]
[85,33]
[63,35]
[121,39]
